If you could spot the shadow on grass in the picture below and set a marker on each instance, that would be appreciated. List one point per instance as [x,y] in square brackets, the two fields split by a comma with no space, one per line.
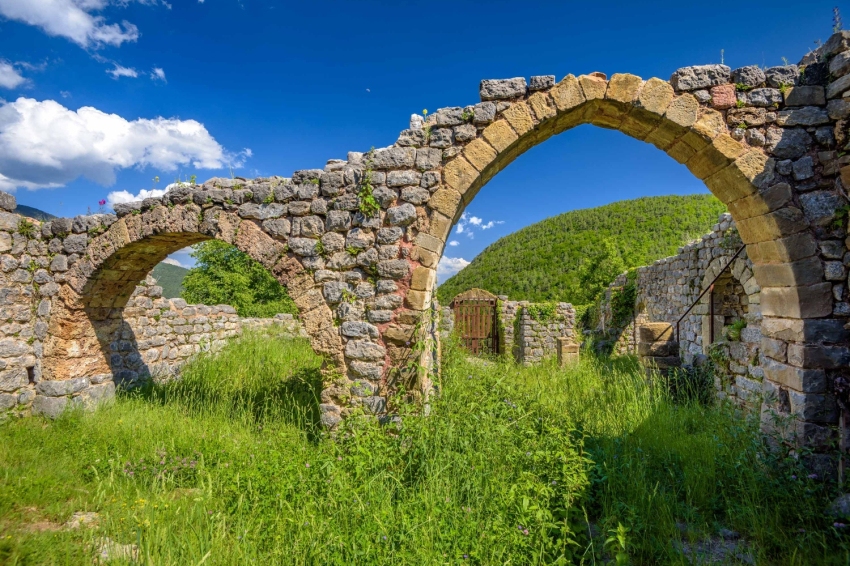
[259,379]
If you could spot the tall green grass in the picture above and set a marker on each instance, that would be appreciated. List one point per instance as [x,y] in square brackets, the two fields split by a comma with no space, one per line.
[513,466]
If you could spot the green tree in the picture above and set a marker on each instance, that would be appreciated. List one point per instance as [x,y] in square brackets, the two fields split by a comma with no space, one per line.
[223,275]
[596,272]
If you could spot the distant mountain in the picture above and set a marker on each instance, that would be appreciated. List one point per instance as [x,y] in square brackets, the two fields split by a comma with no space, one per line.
[553,259]
[170,278]
[32,212]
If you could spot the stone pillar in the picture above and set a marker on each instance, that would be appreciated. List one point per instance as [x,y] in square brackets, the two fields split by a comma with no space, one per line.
[568,352]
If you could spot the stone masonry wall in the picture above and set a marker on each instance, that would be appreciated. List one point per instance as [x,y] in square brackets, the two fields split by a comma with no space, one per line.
[526,339]
[150,338]
[668,287]
[357,242]
[538,337]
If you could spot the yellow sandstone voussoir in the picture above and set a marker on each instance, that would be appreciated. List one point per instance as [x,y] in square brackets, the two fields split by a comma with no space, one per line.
[683,110]
[593,87]
[542,105]
[445,201]
[656,95]
[715,156]
[500,135]
[479,153]
[519,117]
[459,175]
[624,88]
[567,94]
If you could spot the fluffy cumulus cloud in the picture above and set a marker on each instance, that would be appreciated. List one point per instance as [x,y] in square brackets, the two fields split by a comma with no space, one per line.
[172,261]
[44,144]
[76,20]
[454,243]
[448,266]
[117,197]
[10,77]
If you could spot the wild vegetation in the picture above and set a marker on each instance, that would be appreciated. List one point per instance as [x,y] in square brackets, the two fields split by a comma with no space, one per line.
[573,256]
[224,275]
[592,464]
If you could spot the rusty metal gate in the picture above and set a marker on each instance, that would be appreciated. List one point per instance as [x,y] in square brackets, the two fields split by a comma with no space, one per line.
[476,321]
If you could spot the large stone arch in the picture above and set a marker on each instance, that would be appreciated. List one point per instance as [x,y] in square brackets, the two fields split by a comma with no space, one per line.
[357,243]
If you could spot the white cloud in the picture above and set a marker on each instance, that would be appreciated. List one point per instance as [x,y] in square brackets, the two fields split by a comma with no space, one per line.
[44,144]
[158,74]
[172,261]
[72,19]
[117,197]
[120,71]
[467,223]
[454,243]
[448,266]
[9,75]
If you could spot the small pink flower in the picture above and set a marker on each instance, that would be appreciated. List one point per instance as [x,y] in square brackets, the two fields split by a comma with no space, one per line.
[307,465]
[101,202]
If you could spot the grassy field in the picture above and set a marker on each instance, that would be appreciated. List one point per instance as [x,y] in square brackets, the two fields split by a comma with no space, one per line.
[589,465]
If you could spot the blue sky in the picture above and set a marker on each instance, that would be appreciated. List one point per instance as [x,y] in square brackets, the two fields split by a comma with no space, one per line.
[101,96]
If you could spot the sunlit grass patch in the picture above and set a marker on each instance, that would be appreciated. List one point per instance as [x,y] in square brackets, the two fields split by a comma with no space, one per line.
[514,465]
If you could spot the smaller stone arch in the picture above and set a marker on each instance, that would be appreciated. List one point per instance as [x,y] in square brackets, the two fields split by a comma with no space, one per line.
[736,295]
[735,350]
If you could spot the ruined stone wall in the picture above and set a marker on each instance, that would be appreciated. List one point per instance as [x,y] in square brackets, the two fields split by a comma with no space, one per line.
[524,335]
[150,338]
[667,288]
[357,243]
[537,335]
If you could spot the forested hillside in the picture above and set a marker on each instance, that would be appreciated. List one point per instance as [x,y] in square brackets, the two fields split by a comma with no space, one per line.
[572,256]
[170,278]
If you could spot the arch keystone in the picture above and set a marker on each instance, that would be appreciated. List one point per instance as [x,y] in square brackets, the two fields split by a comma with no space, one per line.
[479,153]
[519,117]
[500,135]
[624,88]
[593,87]
[567,94]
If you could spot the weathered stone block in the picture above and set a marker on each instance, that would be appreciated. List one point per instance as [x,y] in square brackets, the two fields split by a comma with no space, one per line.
[502,89]
[700,76]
